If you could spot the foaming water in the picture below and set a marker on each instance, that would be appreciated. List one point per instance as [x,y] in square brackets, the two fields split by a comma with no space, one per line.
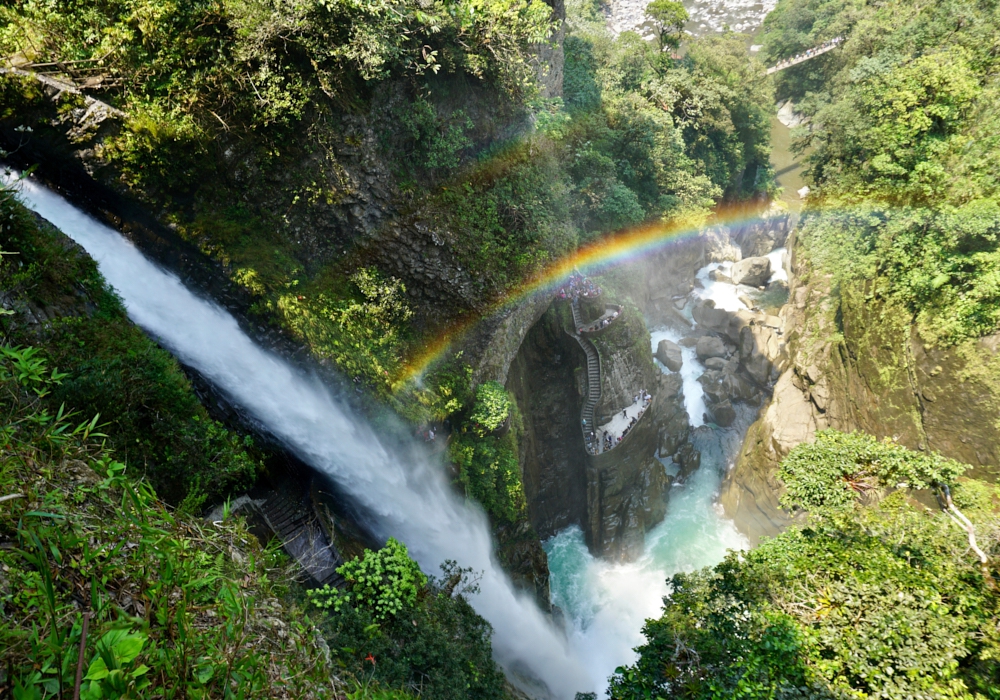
[606,604]
[408,497]
[724,294]
[691,369]
[778,257]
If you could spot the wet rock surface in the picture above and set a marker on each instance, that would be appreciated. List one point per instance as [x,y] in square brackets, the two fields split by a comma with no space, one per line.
[753,272]
[669,353]
[855,362]
[552,455]
[710,346]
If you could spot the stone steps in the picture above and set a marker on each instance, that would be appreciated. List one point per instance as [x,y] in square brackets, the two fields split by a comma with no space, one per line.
[593,373]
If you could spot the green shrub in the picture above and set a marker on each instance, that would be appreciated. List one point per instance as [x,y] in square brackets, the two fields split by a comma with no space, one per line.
[437,142]
[492,407]
[838,467]
[879,603]
[385,583]
[398,629]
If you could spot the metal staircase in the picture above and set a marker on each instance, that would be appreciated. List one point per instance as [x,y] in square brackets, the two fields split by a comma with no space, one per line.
[303,538]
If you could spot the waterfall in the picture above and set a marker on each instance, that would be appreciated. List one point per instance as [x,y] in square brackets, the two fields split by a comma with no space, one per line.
[409,498]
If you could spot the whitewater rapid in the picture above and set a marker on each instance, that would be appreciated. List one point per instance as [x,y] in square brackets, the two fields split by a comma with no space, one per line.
[408,496]
[607,604]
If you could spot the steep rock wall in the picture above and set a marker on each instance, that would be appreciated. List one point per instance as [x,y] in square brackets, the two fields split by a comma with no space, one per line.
[552,451]
[856,362]
[626,363]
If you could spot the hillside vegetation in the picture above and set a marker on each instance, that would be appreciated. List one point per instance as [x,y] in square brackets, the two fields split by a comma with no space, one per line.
[177,606]
[888,589]
[263,130]
[902,132]
[877,597]
[304,143]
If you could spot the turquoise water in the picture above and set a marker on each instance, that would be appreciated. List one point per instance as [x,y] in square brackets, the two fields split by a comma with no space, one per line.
[606,604]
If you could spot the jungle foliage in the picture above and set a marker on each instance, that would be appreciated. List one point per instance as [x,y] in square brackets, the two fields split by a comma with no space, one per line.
[81,539]
[243,115]
[393,625]
[879,600]
[902,132]
[155,422]
[170,603]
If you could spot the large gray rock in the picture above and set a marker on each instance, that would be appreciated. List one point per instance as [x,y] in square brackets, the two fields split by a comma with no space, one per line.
[723,414]
[752,271]
[705,314]
[669,353]
[728,386]
[688,458]
[719,276]
[710,346]
[715,363]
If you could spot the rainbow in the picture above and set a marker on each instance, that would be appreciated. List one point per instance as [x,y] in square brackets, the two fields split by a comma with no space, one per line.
[592,258]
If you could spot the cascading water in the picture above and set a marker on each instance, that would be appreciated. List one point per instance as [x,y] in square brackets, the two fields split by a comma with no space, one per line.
[607,603]
[409,498]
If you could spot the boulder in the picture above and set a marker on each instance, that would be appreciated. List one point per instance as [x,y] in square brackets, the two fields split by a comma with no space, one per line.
[728,386]
[719,276]
[669,353]
[705,314]
[689,342]
[671,387]
[752,271]
[715,363]
[723,414]
[719,246]
[710,346]
[674,431]
[688,458]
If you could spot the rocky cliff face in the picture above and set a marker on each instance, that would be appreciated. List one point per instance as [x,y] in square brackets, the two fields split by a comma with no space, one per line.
[552,451]
[626,364]
[626,493]
[856,362]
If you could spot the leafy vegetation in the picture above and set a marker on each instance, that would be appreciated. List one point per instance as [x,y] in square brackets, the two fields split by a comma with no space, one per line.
[838,467]
[383,582]
[902,118]
[873,600]
[158,605]
[394,626]
[59,302]
[492,407]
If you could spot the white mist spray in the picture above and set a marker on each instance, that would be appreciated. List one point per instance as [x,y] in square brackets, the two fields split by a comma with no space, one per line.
[411,500]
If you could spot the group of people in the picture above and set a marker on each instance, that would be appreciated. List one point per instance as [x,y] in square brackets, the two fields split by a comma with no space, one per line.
[602,322]
[815,51]
[609,441]
[579,286]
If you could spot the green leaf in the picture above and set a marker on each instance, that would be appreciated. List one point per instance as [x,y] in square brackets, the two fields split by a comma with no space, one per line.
[98,670]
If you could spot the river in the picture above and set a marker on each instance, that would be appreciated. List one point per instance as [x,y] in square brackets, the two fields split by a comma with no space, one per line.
[408,496]
[606,604]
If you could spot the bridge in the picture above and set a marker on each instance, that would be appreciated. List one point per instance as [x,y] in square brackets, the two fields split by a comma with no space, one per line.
[806,55]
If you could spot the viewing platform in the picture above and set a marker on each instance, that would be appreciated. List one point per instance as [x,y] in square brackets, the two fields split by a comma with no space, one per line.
[605,438]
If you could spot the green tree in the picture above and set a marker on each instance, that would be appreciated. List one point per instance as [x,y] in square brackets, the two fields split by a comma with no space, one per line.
[866,600]
[669,18]
[839,467]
